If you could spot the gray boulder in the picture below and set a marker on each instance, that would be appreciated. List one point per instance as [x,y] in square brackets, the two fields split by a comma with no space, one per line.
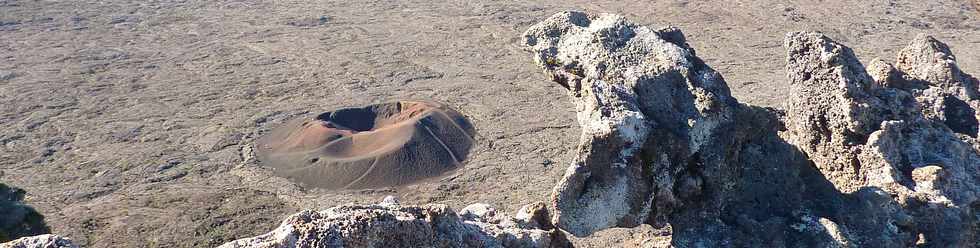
[655,119]
[40,241]
[393,225]
[908,130]
[18,219]
[877,156]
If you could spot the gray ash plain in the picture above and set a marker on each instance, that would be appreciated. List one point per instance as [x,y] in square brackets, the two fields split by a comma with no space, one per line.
[128,123]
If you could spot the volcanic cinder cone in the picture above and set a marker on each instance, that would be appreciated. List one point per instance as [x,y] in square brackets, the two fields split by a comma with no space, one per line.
[380,145]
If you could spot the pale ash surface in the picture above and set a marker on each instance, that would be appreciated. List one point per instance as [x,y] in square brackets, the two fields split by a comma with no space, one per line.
[857,159]
[130,117]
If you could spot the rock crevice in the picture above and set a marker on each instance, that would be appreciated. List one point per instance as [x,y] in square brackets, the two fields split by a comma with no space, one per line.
[865,156]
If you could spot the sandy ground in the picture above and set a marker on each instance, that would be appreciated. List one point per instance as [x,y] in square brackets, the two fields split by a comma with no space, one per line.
[126,120]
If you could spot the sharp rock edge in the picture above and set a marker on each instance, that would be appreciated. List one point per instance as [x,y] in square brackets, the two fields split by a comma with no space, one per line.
[878,156]
[390,224]
[40,241]
[653,117]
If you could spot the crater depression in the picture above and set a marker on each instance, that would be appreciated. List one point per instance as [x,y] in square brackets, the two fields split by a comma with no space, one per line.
[374,146]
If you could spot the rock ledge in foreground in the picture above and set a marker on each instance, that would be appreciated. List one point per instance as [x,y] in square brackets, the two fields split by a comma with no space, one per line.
[40,241]
[391,225]
[863,156]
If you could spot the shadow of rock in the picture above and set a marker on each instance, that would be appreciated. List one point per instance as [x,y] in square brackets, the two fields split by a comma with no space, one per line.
[782,200]
[390,224]
[17,219]
[856,159]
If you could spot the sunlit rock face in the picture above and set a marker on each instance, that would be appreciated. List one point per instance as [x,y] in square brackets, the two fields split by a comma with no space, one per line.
[861,156]
[390,224]
[875,155]
[655,119]
[381,145]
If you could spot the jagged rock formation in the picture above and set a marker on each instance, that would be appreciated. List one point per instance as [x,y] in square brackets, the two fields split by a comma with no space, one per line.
[391,225]
[857,159]
[908,130]
[944,93]
[655,119]
[40,241]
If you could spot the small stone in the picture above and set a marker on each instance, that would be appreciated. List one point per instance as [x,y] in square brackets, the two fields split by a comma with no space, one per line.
[309,22]
[920,241]
[389,201]
[432,225]
[7,75]
[547,162]
[40,241]
[535,215]
[928,173]
[478,212]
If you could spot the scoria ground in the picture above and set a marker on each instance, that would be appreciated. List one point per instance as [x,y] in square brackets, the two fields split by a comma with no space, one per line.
[125,121]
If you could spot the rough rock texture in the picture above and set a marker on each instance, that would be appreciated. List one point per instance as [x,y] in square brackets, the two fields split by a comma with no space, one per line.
[908,130]
[650,111]
[390,225]
[857,159]
[831,106]
[40,241]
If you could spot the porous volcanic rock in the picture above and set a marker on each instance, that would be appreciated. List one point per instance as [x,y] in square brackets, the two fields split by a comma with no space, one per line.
[944,93]
[380,145]
[857,159]
[40,241]
[391,225]
[908,130]
[654,118]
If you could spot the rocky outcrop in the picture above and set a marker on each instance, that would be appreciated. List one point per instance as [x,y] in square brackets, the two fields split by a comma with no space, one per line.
[391,225]
[655,119]
[943,92]
[877,156]
[40,241]
[908,130]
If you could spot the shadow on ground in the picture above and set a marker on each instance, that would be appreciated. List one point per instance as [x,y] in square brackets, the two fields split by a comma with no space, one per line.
[17,219]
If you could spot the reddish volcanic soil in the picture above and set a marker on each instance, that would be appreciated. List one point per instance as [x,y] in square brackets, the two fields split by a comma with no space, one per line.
[382,145]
